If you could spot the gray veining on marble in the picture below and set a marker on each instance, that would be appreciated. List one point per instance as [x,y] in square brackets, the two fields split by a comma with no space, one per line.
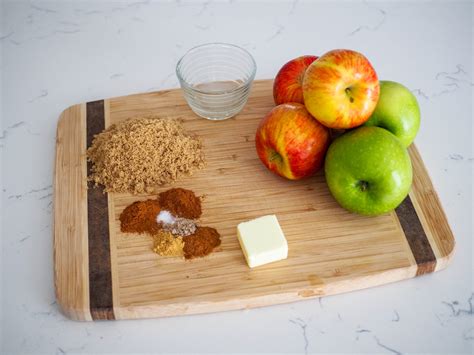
[57,53]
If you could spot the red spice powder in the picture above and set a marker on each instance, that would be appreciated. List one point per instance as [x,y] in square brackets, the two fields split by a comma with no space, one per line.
[140,217]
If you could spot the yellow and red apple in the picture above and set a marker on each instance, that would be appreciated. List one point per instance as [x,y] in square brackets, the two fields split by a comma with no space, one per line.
[290,142]
[341,89]
[288,84]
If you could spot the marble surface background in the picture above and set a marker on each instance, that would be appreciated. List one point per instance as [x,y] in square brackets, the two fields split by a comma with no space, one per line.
[54,54]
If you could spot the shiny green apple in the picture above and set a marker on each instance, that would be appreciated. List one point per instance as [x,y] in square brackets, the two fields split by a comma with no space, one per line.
[397,111]
[368,171]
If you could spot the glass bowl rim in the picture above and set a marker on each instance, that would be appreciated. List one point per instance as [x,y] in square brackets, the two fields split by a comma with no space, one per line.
[217,44]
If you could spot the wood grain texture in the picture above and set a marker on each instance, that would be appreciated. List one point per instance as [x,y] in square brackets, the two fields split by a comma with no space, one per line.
[416,237]
[330,250]
[431,214]
[100,273]
[71,259]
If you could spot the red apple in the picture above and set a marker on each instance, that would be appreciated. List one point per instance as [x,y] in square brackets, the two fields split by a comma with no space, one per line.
[287,86]
[341,89]
[290,142]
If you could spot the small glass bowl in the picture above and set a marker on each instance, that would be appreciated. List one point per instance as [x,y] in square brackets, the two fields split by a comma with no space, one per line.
[216,79]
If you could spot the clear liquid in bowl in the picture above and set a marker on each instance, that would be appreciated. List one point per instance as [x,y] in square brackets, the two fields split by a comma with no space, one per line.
[219,86]
[216,79]
[217,99]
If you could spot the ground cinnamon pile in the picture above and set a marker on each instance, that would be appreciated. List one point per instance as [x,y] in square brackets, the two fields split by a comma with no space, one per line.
[140,217]
[201,243]
[139,154]
[181,203]
[180,237]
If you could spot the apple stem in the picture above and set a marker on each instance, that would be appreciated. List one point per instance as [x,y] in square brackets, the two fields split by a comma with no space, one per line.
[363,185]
[274,156]
[348,93]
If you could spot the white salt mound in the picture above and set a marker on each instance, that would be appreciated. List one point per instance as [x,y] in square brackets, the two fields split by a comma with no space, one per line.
[165,217]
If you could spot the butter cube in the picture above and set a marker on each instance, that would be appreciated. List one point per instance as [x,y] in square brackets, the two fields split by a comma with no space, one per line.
[262,241]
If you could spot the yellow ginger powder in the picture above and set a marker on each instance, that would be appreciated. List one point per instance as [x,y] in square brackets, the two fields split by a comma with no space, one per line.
[166,244]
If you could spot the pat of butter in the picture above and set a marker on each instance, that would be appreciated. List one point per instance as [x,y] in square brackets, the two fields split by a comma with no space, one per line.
[262,241]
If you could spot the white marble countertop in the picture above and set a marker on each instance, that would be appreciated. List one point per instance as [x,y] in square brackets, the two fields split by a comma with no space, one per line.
[55,54]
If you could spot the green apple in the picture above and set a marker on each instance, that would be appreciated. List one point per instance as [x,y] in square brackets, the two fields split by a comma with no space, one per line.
[397,111]
[368,171]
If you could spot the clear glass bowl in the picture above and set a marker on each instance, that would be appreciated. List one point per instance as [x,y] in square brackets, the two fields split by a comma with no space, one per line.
[216,79]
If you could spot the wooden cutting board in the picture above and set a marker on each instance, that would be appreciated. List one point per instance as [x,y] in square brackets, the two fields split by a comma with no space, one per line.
[101,273]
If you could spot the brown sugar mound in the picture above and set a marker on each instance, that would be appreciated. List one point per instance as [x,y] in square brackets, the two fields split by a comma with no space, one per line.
[139,154]
[181,202]
[201,243]
[140,217]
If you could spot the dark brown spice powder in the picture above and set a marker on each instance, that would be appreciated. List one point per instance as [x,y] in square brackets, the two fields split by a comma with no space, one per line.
[181,203]
[201,243]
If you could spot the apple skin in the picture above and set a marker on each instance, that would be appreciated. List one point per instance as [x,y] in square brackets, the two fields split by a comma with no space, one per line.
[341,89]
[368,171]
[287,86]
[290,142]
[397,111]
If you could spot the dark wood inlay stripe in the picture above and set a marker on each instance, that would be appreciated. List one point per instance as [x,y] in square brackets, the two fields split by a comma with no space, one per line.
[416,237]
[100,275]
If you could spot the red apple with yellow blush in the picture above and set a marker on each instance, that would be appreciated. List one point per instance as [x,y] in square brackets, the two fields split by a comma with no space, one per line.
[288,84]
[341,89]
[290,142]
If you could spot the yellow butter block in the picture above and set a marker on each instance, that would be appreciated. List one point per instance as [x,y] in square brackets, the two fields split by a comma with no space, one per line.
[262,241]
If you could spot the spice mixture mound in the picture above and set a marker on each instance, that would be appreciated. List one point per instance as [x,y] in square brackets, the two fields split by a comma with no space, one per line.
[180,227]
[181,202]
[140,217]
[166,244]
[170,220]
[201,243]
[139,154]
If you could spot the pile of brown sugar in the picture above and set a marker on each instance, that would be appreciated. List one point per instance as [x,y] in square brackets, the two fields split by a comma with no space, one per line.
[139,154]
[141,217]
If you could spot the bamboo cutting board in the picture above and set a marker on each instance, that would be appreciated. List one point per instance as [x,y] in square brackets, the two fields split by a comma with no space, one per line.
[101,273]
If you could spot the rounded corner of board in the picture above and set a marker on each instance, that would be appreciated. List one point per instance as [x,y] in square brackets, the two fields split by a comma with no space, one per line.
[71,313]
[67,109]
[445,260]
[69,112]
